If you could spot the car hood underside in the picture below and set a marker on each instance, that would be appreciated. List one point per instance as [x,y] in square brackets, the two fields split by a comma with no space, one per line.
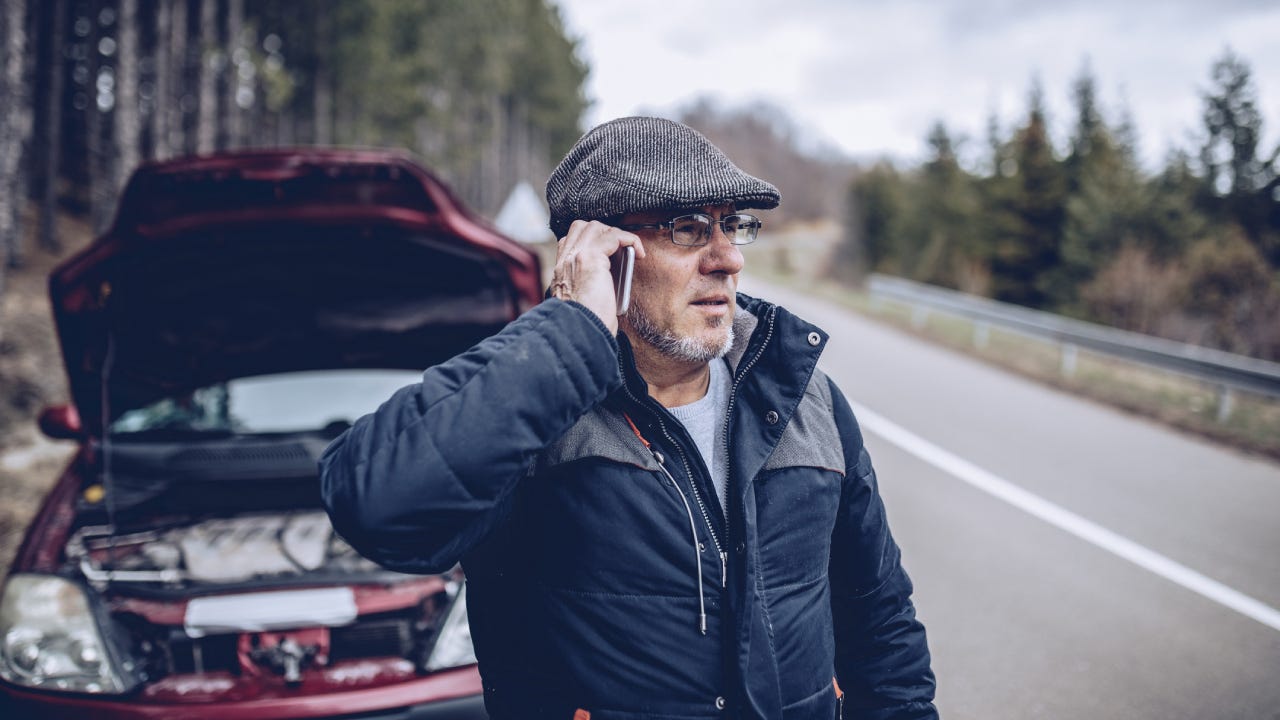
[235,301]
[264,262]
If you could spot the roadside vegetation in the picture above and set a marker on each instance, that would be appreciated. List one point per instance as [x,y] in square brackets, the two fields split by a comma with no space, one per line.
[1189,252]
[1249,422]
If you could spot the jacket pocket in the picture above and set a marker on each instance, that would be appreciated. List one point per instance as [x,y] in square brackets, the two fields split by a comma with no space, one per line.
[823,703]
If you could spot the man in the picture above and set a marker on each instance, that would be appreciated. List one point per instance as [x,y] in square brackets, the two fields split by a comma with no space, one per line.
[667,514]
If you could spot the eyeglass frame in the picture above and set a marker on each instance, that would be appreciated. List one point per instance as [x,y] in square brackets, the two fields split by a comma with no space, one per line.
[670,225]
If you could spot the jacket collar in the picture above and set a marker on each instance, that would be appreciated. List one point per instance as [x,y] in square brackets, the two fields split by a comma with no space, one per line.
[750,316]
[745,323]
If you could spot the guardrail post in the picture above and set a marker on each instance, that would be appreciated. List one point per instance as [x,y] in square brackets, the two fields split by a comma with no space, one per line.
[919,316]
[981,335]
[1069,352]
[1226,403]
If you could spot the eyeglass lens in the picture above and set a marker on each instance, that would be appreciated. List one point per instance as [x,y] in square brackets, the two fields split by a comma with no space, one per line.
[696,229]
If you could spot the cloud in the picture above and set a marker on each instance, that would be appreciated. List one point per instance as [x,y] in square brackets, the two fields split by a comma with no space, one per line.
[874,76]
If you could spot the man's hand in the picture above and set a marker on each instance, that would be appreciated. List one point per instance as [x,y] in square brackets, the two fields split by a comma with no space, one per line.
[582,267]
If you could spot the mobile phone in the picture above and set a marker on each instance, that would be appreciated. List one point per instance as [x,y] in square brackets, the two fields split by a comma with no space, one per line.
[622,263]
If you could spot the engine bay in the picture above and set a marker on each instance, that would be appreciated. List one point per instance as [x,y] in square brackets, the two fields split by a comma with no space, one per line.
[262,597]
[243,548]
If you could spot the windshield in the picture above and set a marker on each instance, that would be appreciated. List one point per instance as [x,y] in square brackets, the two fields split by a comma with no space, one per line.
[287,402]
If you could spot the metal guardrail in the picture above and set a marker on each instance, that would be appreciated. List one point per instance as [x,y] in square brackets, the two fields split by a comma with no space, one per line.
[1227,370]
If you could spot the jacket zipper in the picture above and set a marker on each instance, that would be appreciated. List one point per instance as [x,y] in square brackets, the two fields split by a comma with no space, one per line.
[733,396]
[693,527]
[697,551]
[697,496]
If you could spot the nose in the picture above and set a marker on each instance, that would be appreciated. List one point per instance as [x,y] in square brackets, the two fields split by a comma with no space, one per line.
[719,255]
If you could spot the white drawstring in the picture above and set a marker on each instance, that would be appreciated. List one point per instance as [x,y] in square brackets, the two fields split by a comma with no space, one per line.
[693,524]
[697,550]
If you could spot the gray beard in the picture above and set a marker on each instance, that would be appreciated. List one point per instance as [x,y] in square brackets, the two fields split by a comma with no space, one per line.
[677,347]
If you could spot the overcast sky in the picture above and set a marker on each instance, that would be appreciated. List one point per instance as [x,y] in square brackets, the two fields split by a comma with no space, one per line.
[871,77]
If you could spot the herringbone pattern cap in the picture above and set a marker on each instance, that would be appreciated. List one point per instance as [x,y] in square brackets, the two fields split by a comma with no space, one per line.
[635,164]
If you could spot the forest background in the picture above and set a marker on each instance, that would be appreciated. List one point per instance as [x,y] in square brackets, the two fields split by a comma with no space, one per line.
[489,93]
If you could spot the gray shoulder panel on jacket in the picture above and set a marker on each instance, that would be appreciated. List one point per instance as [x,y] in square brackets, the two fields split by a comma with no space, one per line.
[600,433]
[812,438]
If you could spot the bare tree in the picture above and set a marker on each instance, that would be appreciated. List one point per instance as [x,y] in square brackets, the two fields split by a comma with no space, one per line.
[128,123]
[322,81]
[163,58]
[15,125]
[176,90]
[102,96]
[210,65]
[22,179]
[51,144]
[232,113]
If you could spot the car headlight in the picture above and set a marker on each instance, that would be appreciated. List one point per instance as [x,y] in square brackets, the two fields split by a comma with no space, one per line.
[453,646]
[50,639]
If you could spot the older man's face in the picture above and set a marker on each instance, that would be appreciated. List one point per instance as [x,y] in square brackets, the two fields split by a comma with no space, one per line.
[682,298]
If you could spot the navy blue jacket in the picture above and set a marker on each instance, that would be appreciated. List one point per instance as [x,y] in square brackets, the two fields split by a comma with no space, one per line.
[603,574]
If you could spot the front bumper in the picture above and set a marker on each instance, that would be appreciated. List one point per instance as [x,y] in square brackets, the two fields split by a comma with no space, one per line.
[449,695]
[466,708]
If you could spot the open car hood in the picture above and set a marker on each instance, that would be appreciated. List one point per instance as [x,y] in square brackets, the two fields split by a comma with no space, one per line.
[273,261]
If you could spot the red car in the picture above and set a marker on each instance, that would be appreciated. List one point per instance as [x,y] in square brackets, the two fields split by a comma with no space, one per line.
[243,310]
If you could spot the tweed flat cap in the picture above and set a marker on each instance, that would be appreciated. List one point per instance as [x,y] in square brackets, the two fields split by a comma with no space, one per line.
[635,164]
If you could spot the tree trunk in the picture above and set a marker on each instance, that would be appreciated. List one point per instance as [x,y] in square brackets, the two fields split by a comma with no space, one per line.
[178,87]
[518,141]
[52,130]
[14,123]
[164,60]
[346,123]
[7,134]
[22,182]
[232,113]
[207,120]
[128,123]
[496,183]
[98,176]
[322,80]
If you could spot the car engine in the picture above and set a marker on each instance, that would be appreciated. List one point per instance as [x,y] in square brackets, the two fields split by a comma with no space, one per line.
[236,549]
[265,594]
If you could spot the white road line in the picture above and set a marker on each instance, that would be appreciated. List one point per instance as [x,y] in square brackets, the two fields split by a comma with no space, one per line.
[1066,520]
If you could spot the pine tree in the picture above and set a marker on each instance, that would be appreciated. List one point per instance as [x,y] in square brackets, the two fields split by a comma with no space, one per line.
[1027,248]
[1239,186]
[873,228]
[941,234]
[1105,200]
[1233,126]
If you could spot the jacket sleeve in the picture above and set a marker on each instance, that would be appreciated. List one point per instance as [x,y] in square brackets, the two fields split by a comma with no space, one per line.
[882,657]
[426,476]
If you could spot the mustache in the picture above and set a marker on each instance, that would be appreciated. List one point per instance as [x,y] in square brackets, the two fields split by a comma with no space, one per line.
[725,288]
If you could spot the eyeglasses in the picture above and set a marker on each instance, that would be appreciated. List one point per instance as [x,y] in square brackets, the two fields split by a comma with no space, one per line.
[695,230]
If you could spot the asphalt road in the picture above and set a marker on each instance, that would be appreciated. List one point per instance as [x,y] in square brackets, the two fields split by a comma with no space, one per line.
[1070,560]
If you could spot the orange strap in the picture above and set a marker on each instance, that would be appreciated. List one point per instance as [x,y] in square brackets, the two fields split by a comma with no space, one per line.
[836,685]
[635,430]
